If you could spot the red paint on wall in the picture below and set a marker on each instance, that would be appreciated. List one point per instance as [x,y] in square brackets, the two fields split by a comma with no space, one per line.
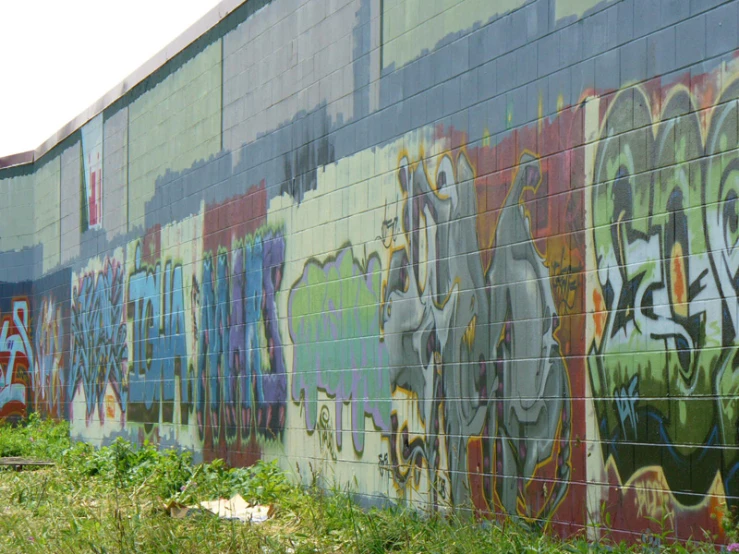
[234,218]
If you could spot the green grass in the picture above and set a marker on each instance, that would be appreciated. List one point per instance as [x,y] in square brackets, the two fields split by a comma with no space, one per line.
[110,501]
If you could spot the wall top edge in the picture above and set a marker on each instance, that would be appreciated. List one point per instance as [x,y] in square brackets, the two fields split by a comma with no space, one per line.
[217,14]
[21,158]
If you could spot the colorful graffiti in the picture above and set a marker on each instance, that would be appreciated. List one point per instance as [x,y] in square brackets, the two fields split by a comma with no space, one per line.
[99,351]
[334,327]
[49,358]
[241,374]
[16,360]
[476,348]
[156,311]
[665,234]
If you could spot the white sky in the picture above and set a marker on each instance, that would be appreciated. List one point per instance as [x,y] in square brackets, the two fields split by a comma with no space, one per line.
[57,57]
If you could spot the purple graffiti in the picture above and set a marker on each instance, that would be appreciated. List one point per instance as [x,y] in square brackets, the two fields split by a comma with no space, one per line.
[241,364]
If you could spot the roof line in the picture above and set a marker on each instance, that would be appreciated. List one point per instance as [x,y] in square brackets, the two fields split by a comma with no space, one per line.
[217,14]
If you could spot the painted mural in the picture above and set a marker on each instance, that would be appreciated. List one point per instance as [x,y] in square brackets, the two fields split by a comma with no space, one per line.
[526,308]
[49,360]
[334,327]
[241,374]
[16,357]
[665,301]
[99,350]
[454,340]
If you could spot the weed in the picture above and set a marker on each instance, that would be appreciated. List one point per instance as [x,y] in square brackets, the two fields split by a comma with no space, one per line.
[38,438]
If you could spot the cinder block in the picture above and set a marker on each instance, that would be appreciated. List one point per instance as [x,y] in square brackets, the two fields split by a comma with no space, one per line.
[548,54]
[459,120]
[487,80]
[599,32]
[646,17]
[570,44]
[721,30]
[487,43]
[478,55]
[526,65]
[403,121]
[443,60]
[672,11]
[477,122]
[633,61]
[418,112]
[537,23]
[698,6]
[661,52]
[625,21]
[544,17]
[583,76]
[536,93]
[496,114]
[514,30]
[413,81]
[560,86]
[505,71]
[374,124]
[517,108]
[469,90]
[690,41]
[460,54]
[451,96]
[435,103]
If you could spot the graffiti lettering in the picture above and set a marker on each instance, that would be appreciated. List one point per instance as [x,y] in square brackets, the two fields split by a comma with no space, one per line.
[326,433]
[653,501]
[241,369]
[334,326]
[157,313]
[213,338]
[99,349]
[626,400]
[16,359]
[383,464]
[48,379]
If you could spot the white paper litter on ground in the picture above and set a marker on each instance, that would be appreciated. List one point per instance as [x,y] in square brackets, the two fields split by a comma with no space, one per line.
[228,508]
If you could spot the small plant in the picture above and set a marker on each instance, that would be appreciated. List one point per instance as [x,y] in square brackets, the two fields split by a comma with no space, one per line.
[262,483]
[730,526]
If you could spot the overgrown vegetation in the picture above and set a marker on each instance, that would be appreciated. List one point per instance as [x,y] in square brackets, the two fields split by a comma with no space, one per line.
[111,501]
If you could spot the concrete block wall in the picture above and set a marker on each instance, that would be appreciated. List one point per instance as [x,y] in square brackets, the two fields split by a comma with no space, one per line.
[467,254]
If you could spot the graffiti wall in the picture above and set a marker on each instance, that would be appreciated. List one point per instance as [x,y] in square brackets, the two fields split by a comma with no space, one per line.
[472,259]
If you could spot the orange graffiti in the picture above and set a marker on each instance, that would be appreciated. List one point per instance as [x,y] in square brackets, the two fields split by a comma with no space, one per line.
[599,317]
[679,284]
[110,405]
